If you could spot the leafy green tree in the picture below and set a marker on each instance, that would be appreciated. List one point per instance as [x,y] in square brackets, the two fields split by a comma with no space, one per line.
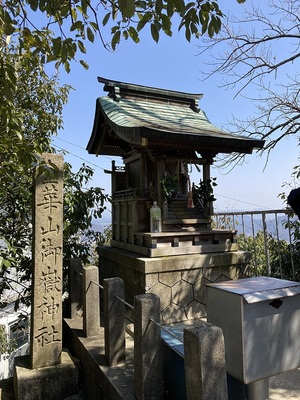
[82,205]
[284,257]
[38,103]
[51,31]
[6,345]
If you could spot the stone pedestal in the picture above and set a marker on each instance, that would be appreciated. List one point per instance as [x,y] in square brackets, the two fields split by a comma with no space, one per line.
[179,281]
[56,382]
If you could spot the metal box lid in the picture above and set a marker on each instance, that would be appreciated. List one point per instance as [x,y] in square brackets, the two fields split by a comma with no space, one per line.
[257,289]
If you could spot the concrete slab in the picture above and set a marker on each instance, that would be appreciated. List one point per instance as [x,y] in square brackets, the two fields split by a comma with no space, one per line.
[285,386]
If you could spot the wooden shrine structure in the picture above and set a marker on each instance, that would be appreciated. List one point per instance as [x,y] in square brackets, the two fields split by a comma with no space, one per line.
[158,133]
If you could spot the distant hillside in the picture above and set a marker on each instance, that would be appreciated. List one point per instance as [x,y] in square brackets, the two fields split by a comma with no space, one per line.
[241,225]
[99,225]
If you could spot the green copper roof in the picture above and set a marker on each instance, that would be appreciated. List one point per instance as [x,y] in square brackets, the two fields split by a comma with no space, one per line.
[134,116]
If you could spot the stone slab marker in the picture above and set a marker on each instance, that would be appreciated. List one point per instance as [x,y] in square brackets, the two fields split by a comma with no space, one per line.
[46,308]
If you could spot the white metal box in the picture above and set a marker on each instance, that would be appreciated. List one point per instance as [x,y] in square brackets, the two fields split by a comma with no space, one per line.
[260,319]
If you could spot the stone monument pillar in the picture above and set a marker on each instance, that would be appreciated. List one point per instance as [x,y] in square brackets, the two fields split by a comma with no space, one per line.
[49,373]
[46,306]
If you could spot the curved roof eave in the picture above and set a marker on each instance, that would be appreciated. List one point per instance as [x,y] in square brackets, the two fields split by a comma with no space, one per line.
[138,122]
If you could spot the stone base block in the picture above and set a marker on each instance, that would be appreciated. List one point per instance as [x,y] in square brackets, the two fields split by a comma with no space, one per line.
[179,281]
[56,382]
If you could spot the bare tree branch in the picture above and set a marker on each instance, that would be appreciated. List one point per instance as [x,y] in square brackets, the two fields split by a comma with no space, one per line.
[260,53]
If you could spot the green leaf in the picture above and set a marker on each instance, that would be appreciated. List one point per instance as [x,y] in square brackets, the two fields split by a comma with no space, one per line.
[154,33]
[141,5]
[115,40]
[127,8]
[106,19]
[67,67]
[84,64]
[56,47]
[179,6]
[143,21]
[158,6]
[188,34]
[81,46]
[90,34]
[204,22]
[34,5]
[76,26]
[133,34]
[211,29]
[166,24]
[84,6]
[94,25]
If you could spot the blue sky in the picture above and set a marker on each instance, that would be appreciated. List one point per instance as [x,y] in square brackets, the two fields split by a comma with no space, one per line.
[173,64]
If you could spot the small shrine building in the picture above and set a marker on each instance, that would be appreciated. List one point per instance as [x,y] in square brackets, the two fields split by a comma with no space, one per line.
[159,133]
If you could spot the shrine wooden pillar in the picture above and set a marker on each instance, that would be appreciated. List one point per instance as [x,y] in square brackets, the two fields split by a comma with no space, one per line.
[208,207]
[161,168]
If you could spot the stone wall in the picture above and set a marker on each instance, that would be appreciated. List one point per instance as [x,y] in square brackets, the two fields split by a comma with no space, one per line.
[179,281]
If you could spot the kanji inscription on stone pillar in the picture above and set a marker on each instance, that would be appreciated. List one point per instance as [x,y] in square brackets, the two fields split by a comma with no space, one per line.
[46,308]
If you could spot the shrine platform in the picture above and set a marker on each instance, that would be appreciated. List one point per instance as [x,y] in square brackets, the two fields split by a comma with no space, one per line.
[189,241]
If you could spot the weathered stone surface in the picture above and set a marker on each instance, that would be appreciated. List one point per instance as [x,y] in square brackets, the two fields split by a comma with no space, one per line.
[195,310]
[231,272]
[182,293]
[46,310]
[200,290]
[212,274]
[205,368]
[164,293]
[75,295]
[147,348]
[173,313]
[150,280]
[141,274]
[55,382]
[114,320]
[169,278]
[192,276]
[91,301]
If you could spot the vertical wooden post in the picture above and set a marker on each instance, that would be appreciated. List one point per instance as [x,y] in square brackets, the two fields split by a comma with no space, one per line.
[160,173]
[208,207]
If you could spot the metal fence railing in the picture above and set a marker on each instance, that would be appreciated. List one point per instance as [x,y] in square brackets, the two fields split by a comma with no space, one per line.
[269,235]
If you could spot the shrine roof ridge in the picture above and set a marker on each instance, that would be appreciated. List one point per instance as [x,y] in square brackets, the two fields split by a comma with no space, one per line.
[136,117]
[149,92]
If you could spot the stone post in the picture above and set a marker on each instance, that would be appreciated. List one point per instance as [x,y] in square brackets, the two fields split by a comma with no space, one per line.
[49,372]
[75,287]
[46,309]
[147,348]
[204,360]
[114,320]
[91,301]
